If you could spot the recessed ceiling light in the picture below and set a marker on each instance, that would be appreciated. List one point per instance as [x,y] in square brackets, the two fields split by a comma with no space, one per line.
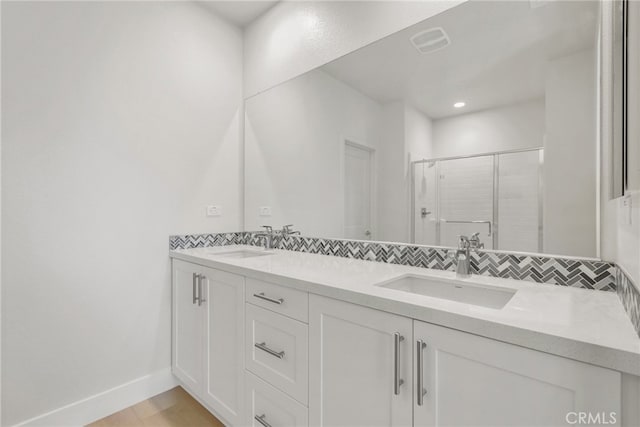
[459,104]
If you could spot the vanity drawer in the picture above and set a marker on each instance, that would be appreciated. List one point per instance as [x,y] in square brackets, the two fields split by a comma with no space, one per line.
[277,351]
[287,301]
[272,406]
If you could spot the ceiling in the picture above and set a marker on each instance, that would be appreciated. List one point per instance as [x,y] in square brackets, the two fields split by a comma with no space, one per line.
[498,56]
[240,12]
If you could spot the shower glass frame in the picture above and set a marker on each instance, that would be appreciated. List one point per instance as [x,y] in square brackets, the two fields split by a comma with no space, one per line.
[496,187]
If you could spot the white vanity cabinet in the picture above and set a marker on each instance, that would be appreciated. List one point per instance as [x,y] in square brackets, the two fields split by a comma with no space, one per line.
[361,375]
[263,354]
[359,365]
[208,337]
[471,380]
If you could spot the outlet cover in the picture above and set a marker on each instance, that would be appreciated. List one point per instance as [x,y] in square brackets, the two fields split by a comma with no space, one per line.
[264,211]
[214,211]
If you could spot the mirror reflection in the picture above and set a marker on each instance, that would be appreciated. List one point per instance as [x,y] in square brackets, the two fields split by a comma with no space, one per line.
[482,119]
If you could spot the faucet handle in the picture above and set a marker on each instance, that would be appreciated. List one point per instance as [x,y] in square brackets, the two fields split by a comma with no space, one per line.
[287,228]
[268,228]
[475,242]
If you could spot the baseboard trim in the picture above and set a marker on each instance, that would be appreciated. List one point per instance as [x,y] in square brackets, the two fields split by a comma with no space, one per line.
[100,405]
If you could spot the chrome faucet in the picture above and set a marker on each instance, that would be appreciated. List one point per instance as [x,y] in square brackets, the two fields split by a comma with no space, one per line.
[462,255]
[267,236]
[287,231]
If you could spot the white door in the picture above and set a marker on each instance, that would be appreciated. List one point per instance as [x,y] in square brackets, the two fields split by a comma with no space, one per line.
[187,326]
[224,344]
[352,366]
[357,192]
[475,381]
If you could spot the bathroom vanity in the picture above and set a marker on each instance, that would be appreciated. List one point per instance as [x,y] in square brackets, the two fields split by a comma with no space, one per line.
[495,120]
[275,338]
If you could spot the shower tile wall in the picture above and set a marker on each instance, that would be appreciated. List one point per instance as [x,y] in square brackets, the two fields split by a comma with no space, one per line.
[466,194]
[518,197]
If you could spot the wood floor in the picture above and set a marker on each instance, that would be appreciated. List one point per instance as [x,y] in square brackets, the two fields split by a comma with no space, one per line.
[173,408]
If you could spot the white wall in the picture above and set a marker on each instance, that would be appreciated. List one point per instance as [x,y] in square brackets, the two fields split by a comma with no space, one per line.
[297,36]
[120,123]
[406,136]
[392,208]
[570,174]
[621,217]
[418,134]
[497,129]
[294,149]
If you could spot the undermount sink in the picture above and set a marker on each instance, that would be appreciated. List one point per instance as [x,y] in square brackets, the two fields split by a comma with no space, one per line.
[454,290]
[240,253]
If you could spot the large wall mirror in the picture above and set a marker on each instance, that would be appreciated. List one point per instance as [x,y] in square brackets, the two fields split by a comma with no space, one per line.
[482,119]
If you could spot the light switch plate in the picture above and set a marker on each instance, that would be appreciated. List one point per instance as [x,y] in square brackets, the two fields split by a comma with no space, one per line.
[214,211]
[264,211]
[628,209]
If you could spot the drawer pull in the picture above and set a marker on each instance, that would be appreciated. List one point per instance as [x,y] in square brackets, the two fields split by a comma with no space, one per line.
[261,295]
[261,420]
[263,346]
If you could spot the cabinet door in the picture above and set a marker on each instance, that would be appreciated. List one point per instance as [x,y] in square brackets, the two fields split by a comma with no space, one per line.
[187,326]
[352,366]
[224,344]
[471,380]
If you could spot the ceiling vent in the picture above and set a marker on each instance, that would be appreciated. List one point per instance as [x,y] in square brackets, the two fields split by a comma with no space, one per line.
[430,40]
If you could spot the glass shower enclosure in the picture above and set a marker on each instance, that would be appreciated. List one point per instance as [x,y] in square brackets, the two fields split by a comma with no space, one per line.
[498,195]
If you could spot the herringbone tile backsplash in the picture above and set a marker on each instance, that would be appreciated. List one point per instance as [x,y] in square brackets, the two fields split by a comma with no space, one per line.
[598,275]
[630,297]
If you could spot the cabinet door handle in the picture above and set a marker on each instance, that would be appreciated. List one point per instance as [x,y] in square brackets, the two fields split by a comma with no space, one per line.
[261,420]
[263,346]
[261,295]
[397,382]
[195,281]
[200,299]
[420,346]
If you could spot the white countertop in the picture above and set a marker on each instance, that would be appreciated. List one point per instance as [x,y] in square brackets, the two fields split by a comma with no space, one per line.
[585,325]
